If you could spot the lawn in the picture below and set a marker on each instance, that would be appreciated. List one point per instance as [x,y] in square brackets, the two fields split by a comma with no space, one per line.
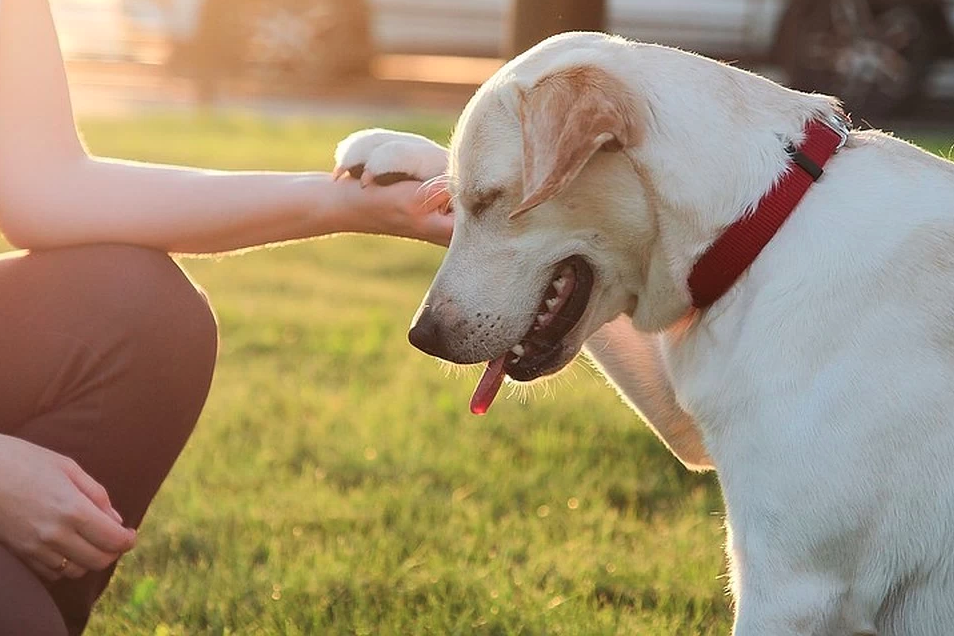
[336,483]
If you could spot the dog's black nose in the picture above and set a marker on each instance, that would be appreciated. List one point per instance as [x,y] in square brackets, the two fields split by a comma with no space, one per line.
[426,335]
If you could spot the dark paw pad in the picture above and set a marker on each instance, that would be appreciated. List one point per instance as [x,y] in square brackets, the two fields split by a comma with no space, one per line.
[388,178]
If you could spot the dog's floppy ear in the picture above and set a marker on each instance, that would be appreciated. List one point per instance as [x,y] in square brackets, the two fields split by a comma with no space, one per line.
[565,119]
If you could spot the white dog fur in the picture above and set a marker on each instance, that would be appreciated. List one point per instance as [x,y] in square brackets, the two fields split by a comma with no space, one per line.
[820,387]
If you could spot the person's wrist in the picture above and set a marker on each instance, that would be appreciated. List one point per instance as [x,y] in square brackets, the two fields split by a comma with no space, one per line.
[329,207]
[369,207]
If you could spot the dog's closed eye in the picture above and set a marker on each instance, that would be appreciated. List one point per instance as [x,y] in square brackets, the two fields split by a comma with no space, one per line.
[480,201]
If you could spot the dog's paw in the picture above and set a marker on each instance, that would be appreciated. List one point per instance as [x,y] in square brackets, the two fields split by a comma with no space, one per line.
[384,157]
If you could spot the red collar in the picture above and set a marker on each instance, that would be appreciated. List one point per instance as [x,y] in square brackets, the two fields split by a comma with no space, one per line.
[732,253]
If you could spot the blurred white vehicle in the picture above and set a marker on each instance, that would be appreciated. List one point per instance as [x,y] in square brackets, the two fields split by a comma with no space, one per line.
[876,54]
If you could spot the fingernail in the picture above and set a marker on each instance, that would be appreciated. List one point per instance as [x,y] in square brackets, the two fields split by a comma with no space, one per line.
[115,515]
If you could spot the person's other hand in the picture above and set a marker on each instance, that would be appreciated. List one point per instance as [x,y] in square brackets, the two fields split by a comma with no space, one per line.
[50,509]
[406,208]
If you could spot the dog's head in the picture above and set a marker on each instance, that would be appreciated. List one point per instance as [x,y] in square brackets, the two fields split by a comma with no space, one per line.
[554,220]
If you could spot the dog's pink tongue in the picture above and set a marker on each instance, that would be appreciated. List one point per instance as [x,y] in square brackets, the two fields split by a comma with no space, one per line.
[488,386]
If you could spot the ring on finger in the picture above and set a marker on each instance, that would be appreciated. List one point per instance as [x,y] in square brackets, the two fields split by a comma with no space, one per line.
[62,565]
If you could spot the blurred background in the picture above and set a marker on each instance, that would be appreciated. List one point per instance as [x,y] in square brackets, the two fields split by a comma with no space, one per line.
[885,58]
[336,483]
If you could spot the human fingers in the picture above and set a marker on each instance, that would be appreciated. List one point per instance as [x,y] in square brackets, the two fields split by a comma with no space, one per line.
[101,529]
[93,490]
[81,552]
[51,566]
[62,548]
[43,570]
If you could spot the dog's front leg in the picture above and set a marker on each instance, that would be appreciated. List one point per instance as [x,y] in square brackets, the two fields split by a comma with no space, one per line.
[632,361]
[789,602]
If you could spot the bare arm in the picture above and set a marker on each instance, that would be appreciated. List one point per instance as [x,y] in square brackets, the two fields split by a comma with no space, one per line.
[632,360]
[52,193]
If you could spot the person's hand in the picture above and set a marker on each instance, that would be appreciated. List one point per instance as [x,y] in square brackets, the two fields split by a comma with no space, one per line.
[50,510]
[389,166]
[406,208]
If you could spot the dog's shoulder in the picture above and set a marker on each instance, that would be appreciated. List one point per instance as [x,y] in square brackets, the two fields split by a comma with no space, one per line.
[898,150]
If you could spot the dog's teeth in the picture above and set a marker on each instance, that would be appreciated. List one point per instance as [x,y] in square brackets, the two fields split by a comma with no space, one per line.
[517,350]
[541,318]
[516,360]
[559,284]
[551,303]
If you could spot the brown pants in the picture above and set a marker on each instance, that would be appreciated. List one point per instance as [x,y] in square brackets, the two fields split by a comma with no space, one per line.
[106,355]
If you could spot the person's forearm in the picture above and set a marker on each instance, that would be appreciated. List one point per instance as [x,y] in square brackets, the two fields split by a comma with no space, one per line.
[84,200]
[53,194]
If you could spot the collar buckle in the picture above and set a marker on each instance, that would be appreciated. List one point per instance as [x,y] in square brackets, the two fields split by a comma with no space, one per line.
[840,124]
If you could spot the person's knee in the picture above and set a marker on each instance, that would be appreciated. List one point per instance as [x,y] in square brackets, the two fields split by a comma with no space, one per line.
[149,316]
[165,314]
[150,298]
[111,295]
[173,305]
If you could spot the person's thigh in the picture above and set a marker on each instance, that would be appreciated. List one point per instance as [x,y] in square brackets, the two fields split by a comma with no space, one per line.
[106,355]
[26,607]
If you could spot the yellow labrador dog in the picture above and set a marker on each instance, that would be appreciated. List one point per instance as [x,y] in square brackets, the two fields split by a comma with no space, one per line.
[772,292]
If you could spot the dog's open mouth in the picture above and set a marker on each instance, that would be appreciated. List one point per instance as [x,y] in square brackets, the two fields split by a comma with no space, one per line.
[563,304]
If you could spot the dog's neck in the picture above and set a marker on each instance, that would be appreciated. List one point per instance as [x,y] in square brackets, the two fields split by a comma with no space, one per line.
[737,247]
[714,149]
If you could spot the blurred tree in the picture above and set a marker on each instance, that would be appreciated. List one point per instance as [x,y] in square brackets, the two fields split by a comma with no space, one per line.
[217,48]
[291,44]
[535,20]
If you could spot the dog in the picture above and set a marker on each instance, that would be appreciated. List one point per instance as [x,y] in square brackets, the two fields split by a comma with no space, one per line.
[598,185]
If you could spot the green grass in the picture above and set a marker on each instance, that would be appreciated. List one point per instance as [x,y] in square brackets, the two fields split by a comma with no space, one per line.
[337,485]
